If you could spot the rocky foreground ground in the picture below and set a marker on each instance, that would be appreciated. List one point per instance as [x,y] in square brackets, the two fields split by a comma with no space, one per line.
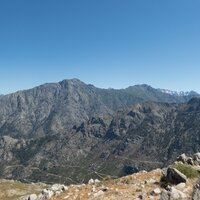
[178,181]
[142,185]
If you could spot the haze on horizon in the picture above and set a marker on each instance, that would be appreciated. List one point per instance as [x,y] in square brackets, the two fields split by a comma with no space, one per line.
[107,43]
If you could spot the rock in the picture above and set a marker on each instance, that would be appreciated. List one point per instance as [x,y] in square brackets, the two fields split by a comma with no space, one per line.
[180,186]
[197,158]
[176,194]
[32,197]
[25,197]
[150,181]
[47,193]
[196,192]
[96,181]
[58,187]
[142,196]
[164,195]
[91,181]
[182,158]
[156,191]
[175,177]
[93,189]
[42,197]
[190,161]
[57,193]
[99,193]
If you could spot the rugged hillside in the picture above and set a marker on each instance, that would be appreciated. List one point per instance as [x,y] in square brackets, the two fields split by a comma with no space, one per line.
[142,136]
[53,108]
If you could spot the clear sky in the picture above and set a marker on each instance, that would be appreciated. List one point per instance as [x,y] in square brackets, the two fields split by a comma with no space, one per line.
[108,43]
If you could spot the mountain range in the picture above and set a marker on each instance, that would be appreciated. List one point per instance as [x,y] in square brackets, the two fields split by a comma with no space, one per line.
[70,131]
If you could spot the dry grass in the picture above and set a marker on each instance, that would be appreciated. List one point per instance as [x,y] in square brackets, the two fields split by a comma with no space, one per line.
[126,188]
[13,190]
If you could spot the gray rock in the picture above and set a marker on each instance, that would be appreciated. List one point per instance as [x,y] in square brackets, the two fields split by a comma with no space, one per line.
[196,158]
[176,194]
[97,181]
[182,158]
[175,177]
[41,197]
[32,197]
[164,195]
[156,191]
[99,193]
[47,193]
[196,192]
[58,187]
[190,161]
[91,181]
[180,186]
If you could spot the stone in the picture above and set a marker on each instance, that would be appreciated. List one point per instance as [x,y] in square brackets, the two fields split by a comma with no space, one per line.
[47,193]
[180,186]
[32,197]
[99,193]
[196,192]
[42,197]
[176,194]
[164,195]
[150,181]
[196,158]
[91,181]
[175,177]
[190,161]
[96,181]
[156,191]
[182,158]
[58,187]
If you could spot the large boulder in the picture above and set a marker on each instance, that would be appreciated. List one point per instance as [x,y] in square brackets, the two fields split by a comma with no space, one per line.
[174,176]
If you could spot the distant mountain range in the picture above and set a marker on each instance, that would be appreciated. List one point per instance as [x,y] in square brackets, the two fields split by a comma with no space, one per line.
[70,131]
[181,93]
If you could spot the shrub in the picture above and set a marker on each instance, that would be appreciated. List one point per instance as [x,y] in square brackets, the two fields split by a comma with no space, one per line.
[188,170]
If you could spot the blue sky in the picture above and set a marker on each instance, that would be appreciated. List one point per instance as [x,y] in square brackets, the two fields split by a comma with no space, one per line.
[108,43]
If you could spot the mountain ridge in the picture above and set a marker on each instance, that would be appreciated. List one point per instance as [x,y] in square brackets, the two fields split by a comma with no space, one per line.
[47,130]
[53,107]
[182,93]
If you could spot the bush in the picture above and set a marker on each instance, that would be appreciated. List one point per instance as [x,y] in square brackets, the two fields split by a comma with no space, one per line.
[188,170]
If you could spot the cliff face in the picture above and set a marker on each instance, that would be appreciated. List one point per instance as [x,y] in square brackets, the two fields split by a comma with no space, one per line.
[142,136]
[52,108]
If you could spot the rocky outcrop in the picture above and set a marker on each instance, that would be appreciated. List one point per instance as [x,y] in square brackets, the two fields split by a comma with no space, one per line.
[174,176]
[194,160]
[46,194]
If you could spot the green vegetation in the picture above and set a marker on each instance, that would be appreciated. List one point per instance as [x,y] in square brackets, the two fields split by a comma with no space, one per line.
[188,170]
